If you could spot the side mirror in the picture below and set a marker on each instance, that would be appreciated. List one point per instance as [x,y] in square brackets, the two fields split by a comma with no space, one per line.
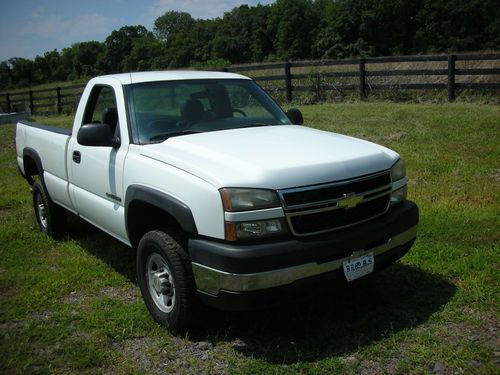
[295,116]
[96,135]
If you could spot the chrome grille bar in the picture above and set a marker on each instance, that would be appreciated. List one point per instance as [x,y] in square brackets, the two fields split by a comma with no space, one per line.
[282,193]
[355,200]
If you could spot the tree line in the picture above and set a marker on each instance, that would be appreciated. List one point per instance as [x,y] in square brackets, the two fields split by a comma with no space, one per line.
[284,30]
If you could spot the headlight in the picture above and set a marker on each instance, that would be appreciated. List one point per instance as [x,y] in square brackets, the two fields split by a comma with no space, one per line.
[243,199]
[398,171]
[255,229]
[239,199]
[399,181]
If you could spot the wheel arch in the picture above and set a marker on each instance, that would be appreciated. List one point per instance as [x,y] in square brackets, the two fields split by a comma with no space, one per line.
[147,209]
[32,165]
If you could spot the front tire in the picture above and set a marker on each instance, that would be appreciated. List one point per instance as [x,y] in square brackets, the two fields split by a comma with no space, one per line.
[51,218]
[166,280]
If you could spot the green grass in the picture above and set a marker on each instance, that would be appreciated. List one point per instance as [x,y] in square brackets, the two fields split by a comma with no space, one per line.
[74,305]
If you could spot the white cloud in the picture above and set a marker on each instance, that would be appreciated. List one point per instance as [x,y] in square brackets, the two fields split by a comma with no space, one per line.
[199,8]
[38,12]
[80,28]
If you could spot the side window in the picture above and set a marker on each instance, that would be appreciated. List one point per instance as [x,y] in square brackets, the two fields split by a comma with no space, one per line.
[102,109]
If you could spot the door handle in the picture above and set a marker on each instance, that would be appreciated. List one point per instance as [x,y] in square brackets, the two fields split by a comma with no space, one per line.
[77,157]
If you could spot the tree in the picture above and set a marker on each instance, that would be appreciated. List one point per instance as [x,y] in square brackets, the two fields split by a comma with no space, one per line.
[284,30]
[46,66]
[460,25]
[364,27]
[119,45]
[292,22]
[5,76]
[262,39]
[388,26]
[180,49]
[82,60]
[145,55]
[327,44]
[22,72]
[200,36]
[172,23]
[187,46]
[241,35]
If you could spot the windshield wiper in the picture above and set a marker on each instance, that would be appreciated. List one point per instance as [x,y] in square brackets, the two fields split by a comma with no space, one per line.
[254,125]
[162,137]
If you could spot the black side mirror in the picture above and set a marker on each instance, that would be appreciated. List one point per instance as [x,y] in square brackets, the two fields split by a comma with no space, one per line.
[96,135]
[295,116]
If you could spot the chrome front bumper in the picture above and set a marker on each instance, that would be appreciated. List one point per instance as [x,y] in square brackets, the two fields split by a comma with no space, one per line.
[212,281]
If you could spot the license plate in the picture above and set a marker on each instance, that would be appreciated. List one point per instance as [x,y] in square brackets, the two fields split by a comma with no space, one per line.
[357,267]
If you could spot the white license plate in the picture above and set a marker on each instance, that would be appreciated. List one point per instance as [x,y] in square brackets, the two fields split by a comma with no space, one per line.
[357,267]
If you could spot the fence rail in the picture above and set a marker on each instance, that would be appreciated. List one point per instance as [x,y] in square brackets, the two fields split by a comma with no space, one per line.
[362,73]
[54,99]
[65,98]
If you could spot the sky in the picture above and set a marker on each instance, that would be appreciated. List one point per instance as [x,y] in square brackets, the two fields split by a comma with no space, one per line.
[29,27]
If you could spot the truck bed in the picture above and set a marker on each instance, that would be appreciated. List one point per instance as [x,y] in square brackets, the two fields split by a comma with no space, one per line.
[49,144]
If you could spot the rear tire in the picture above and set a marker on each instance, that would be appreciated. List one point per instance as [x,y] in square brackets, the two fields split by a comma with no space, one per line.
[166,281]
[50,217]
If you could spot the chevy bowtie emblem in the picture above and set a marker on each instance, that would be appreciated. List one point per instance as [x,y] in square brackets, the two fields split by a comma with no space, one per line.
[349,201]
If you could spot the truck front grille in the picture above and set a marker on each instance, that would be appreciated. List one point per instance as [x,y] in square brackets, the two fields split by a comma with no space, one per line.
[327,207]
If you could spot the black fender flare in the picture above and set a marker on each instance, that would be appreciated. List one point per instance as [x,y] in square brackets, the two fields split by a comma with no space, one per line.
[174,207]
[29,152]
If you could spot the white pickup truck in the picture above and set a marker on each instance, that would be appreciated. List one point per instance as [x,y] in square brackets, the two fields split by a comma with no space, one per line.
[229,201]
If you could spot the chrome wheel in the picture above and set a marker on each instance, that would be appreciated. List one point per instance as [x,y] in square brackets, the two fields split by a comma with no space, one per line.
[160,282]
[51,218]
[41,211]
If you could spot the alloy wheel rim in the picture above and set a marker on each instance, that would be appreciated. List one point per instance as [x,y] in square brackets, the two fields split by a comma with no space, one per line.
[41,211]
[160,282]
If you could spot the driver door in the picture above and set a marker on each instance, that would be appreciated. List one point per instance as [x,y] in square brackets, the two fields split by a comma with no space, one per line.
[96,172]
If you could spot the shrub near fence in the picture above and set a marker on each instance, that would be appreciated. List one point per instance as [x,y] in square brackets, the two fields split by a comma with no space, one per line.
[447,72]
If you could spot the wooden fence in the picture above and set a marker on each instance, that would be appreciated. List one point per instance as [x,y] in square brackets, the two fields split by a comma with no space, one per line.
[306,76]
[362,74]
[51,100]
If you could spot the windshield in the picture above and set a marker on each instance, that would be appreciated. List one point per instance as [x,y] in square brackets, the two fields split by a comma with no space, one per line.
[160,110]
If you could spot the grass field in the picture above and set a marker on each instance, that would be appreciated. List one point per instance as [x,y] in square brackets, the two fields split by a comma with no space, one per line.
[74,305]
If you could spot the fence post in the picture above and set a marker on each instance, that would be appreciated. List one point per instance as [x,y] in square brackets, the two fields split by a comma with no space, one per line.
[32,109]
[7,101]
[362,78]
[451,77]
[59,104]
[288,81]
[318,87]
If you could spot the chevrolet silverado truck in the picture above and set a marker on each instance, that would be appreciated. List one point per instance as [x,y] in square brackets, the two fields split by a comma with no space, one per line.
[229,201]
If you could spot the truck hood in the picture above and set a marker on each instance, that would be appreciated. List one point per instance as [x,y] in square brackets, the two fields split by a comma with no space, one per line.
[273,157]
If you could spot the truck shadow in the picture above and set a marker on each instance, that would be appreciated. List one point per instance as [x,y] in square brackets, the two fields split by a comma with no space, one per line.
[340,322]
[401,297]
[111,251]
